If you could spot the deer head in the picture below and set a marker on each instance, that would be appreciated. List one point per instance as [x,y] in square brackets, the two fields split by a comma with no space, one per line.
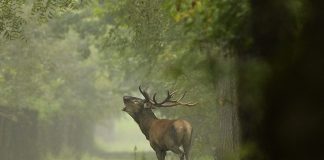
[135,105]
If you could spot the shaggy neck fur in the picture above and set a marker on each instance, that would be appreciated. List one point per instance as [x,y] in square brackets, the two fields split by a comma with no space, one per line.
[144,120]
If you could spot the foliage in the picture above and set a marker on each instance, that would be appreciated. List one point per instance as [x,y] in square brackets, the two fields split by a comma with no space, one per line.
[56,75]
[48,81]
[223,23]
[16,14]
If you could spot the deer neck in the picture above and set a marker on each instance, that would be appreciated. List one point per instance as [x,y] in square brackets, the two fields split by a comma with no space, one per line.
[144,119]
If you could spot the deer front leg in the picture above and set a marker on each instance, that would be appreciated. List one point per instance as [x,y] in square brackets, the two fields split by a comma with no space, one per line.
[160,154]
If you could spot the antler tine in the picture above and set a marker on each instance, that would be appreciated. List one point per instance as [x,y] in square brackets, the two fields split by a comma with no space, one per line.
[154,99]
[172,93]
[187,104]
[181,96]
[169,96]
[145,94]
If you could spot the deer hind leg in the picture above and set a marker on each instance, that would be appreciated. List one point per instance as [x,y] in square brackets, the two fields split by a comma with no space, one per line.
[187,144]
[178,151]
[186,149]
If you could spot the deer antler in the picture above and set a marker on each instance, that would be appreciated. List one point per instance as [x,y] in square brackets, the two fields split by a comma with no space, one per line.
[168,98]
[146,95]
[167,102]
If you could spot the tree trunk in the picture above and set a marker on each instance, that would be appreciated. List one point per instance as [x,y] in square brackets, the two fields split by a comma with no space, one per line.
[227,143]
[281,83]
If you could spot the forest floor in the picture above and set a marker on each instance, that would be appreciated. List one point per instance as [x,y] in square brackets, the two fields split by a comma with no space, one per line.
[133,156]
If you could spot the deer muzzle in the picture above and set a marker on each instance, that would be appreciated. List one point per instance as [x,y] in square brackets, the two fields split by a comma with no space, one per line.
[126,99]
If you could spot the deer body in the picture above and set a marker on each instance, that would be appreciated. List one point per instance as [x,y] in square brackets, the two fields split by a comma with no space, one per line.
[163,134]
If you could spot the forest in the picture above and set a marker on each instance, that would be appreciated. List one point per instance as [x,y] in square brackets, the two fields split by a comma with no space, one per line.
[254,68]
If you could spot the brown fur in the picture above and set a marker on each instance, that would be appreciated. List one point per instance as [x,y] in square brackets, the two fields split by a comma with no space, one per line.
[163,134]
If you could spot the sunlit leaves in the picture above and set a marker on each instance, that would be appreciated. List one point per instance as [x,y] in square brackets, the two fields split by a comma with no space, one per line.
[11,22]
[15,14]
[219,20]
[47,9]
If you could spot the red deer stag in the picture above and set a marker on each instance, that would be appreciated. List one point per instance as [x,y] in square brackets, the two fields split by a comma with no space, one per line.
[163,134]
